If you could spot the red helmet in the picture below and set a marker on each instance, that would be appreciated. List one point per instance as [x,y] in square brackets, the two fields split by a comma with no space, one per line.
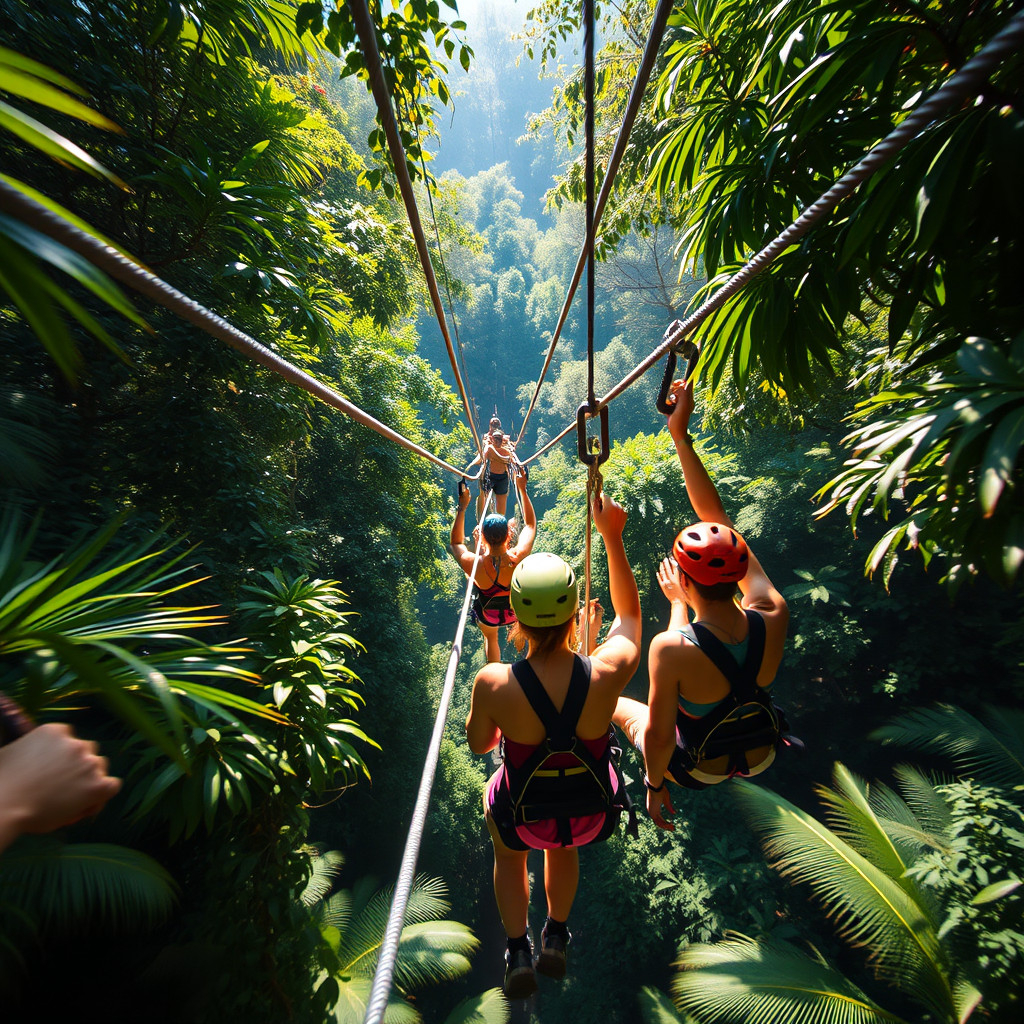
[711,553]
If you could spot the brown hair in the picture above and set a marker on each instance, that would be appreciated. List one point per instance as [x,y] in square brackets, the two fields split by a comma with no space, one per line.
[542,639]
[715,591]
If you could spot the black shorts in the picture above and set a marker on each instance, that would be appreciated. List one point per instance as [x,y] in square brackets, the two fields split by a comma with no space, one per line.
[498,482]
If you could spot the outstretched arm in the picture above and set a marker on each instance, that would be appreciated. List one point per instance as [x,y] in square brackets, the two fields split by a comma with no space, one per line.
[457,540]
[621,650]
[529,531]
[758,591]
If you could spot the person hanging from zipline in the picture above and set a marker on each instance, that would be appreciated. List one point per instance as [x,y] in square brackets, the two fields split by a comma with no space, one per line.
[491,609]
[559,786]
[498,454]
[710,716]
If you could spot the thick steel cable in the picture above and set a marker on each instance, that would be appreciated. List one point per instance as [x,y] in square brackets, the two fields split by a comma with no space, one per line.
[368,39]
[589,29]
[618,152]
[377,1003]
[963,84]
[135,276]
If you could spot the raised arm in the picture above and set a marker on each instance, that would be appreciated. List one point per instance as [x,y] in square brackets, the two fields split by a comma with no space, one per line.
[457,540]
[528,533]
[757,589]
[621,650]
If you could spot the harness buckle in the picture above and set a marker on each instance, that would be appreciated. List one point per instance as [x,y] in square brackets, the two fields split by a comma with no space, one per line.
[591,450]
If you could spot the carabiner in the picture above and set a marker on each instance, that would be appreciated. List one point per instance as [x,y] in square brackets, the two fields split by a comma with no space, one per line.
[587,457]
[684,347]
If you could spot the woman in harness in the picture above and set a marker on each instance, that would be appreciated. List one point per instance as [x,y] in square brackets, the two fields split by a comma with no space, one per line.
[491,608]
[712,565]
[503,709]
[498,454]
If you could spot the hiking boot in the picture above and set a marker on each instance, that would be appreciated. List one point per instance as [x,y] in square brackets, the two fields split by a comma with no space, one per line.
[520,981]
[551,962]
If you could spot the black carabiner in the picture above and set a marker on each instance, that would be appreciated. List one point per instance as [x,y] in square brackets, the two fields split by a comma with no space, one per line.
[685,347]
[587,457]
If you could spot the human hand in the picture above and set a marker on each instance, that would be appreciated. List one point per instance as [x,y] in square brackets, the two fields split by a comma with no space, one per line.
[609,516]
[464,496]
[50,778]
[680,397]
[594,618]
[669,580]
[657,802]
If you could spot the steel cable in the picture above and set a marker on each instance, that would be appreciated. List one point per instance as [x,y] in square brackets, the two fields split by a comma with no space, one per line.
[135,276]
[974,73]
[618,152]
[368,39]
[384,974]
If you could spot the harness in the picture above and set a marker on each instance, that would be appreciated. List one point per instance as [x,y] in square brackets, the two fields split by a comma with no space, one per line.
[743,721]
[492,606]
[562,780]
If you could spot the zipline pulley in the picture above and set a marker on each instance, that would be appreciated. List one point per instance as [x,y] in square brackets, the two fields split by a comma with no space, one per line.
[685,347]
[592,451]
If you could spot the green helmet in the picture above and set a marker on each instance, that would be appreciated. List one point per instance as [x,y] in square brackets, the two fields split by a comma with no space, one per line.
[543,591]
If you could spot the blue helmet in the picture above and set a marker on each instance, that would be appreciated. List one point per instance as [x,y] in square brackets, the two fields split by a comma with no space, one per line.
[494,528]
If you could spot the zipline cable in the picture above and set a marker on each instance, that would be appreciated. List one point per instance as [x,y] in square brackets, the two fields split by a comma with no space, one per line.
[961,86]
[135,276]
[368,39]
[588,172]
[618,151]
[384,974]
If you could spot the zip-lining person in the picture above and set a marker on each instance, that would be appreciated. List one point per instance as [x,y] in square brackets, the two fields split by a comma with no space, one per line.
[689,693]
[559,787]
[491,609]
[498,454]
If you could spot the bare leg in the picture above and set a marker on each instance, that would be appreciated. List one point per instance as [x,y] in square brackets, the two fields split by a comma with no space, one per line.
[501,503]
[511,882]
[561,878]
[631,717]
[492,644]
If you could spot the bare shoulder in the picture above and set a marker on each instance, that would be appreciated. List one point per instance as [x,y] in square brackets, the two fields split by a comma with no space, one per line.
[491,677]
[615,662]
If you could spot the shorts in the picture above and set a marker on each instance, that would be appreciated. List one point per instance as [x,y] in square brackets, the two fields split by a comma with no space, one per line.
[497,482]
[483,615]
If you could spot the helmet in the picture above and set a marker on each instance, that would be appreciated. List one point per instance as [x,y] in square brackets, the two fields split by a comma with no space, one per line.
[543,591]
[711,553]
[494,528]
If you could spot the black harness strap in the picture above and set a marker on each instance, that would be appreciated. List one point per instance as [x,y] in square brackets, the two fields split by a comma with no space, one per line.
[560,726]
[742,678]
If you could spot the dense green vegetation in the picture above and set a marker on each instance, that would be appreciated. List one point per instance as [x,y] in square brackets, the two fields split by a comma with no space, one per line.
[245,597]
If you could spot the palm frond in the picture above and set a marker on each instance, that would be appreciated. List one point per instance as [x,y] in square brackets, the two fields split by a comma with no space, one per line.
[851,816]
[490,1007]
[871,909]
[433,951]
[71,885]
[355,994]
[991,751]
[337,911]
[657,1008]
[922,796]
[765,983]
[323,869]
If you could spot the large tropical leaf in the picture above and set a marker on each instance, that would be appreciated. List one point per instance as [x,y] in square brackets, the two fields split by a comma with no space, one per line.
[870,907]
[323,869]
[74,886]
[657,1008]
[490,1007]
[433,951]
[766,983]
[354,995]
[992,751]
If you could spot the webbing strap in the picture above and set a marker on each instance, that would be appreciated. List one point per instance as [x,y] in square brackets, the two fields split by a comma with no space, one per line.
[742,678]
[560,726]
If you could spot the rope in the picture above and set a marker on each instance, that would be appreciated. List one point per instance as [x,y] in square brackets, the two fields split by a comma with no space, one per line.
[135,276]
[618,151]
[588,94]
[962,85]
[368,39]
[382,978]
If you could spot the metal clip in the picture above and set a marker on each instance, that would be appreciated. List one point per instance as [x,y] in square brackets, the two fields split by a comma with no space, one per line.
[684,347]
[583,447]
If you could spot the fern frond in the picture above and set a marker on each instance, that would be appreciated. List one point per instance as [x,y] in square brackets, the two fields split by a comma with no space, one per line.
[66,886]
[871,909]
[765,983]
[433,951]
[323,869]
[490,1007]
[992,752]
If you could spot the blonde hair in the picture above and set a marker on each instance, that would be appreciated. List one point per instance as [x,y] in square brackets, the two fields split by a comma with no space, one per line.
[542,639]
